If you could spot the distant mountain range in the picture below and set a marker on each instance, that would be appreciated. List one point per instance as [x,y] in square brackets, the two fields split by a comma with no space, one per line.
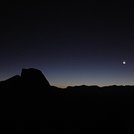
[82,108]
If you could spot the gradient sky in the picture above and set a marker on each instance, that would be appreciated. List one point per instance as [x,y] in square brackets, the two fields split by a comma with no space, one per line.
[72,43]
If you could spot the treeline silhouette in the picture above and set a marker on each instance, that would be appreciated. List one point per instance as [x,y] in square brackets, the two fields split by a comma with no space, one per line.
[79,109]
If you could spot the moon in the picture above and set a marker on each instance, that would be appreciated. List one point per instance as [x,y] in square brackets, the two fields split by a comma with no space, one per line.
[124,62]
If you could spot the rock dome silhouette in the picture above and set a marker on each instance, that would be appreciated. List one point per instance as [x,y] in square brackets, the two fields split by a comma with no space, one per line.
[34,77]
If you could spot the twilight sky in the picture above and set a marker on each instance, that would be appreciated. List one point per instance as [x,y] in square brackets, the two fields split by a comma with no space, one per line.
[71,43]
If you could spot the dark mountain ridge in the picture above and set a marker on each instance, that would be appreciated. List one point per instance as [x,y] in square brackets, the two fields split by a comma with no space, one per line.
[30,96]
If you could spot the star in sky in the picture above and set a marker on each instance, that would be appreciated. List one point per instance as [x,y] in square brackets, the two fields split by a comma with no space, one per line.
[124,62]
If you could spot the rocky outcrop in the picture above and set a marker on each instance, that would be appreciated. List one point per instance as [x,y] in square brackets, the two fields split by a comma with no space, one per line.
[34,77]
[30,79]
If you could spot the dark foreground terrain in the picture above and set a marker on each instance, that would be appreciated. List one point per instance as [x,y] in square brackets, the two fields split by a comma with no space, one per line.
[29,104]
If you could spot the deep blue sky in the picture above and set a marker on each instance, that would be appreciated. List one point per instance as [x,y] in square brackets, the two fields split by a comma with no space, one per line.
[72,43]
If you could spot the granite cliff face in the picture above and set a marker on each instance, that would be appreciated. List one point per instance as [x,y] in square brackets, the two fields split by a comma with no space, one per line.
[101,109]
[29,78]
[34,77]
